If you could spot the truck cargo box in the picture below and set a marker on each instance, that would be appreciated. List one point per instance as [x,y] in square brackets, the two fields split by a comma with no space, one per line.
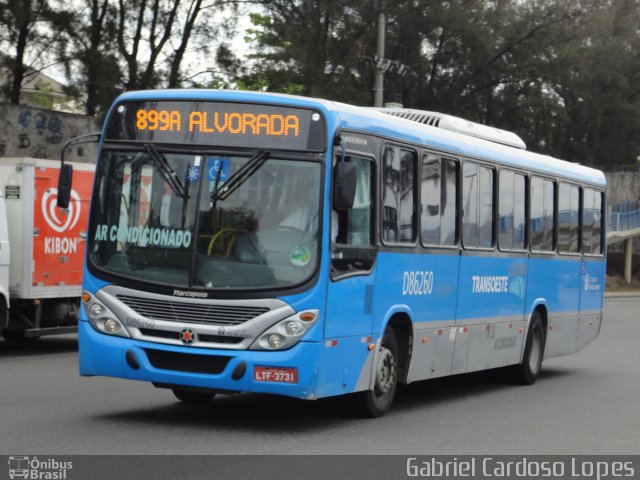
[47,243]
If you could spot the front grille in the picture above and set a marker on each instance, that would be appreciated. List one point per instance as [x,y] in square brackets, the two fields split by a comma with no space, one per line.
[203,337]
[191,312]
[186,362]
[149,332]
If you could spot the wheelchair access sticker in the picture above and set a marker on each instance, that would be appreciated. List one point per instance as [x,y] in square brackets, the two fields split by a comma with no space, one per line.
[217,169]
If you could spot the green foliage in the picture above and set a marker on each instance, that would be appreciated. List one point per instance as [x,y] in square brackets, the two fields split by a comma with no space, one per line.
[563,74]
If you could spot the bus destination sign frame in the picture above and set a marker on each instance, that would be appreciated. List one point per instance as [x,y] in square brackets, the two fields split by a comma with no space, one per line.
[218,124]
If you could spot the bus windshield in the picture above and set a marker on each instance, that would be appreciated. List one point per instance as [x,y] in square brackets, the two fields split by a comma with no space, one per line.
[204,220]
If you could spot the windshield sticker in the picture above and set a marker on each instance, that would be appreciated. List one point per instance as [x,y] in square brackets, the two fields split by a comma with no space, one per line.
[193,173]
[300,256]
[144,237]
[217,166]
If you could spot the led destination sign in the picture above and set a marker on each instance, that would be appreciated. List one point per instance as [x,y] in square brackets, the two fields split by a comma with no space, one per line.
[218,124]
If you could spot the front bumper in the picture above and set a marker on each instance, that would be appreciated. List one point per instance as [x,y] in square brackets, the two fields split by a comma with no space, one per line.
[105,355]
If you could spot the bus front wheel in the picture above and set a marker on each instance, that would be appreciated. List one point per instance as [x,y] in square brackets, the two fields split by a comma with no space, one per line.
[377,402]
[526,372]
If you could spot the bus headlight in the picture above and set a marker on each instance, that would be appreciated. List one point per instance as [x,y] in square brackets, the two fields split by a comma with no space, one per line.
[102,319]
[286,333]
[274,340]
[96,310]
[293,327]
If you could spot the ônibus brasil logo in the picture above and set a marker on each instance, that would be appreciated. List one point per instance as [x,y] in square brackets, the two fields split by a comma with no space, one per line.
[51,212]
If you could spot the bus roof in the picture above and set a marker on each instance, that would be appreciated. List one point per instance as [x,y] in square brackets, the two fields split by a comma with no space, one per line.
[350,117]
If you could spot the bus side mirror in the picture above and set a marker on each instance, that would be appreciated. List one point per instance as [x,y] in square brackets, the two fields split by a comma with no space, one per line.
[344,187]
[66,171]
[64,185]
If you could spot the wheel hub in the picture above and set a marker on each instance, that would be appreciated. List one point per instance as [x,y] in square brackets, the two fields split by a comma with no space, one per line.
[385,373]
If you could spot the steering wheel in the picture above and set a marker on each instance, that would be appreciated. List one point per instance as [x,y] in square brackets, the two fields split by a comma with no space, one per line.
[221,234]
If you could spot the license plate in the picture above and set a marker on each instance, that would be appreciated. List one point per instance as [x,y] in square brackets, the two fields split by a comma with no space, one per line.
[273,374]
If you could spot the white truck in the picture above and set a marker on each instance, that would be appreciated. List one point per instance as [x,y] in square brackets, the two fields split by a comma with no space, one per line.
[41,248]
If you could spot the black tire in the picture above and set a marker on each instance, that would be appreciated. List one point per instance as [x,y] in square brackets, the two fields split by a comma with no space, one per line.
[17,336]
[191,397]
[377,402]
[526,372]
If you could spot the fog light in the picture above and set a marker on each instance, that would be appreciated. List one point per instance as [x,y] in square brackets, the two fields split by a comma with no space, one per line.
[111,326]
[95,310]
[275,340]
[293,328]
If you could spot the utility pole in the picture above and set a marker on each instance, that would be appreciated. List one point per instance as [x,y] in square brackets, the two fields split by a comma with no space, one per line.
[379,65]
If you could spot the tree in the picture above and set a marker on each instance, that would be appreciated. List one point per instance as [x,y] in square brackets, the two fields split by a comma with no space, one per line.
[87,51]
[597,85]
[23,34]
[308,48]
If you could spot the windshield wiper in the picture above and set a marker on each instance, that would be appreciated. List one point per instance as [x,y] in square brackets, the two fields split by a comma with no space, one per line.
[165,169]
[238,178]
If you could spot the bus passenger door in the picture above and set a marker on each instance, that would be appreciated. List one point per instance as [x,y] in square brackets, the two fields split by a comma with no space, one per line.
[350,290]
[350,295]
[593,267]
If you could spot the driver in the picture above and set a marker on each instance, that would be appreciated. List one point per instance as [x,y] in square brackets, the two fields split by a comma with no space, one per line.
[305,216]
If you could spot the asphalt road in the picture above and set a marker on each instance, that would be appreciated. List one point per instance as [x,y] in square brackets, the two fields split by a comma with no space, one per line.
[586,403]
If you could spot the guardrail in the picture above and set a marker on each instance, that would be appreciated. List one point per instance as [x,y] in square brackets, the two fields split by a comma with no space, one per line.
[624,216]
[622,221]
[624,207]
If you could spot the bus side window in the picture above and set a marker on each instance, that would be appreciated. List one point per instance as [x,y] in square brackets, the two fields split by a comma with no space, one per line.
[568,218]
[438,209]
[542,215]
[592,222]
[398,195]
[511,211]
[352,229]
[477,203]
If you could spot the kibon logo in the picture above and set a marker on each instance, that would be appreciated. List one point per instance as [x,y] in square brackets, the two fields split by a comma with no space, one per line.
[51,213]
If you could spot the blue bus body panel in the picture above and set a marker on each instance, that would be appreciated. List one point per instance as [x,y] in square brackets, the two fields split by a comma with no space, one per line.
[316,363]
[435,289]
[424,286]
[325,368]
[105,355]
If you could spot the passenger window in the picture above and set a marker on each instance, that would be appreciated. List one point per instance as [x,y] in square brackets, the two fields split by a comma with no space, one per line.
[512,198]
[477,204]
[542,215]
[398,195]
[592,222]
[568,218]
[439,201]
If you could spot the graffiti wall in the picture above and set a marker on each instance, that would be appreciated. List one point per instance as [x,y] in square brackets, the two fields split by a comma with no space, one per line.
[35,132]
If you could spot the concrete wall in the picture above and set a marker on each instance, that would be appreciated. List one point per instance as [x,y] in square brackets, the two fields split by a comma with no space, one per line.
[35,132]
[623,186]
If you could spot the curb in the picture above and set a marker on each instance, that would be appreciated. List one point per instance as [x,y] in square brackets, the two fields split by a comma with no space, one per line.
[608,295]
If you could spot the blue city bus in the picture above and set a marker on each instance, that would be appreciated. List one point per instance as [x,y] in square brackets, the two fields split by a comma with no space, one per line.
[256,242]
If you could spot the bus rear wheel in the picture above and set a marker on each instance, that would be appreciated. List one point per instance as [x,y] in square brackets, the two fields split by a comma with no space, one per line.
[377,402]
[191,397]
[526,372]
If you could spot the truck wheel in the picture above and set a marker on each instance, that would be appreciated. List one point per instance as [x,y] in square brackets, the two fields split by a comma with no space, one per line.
[526,373]
[377,402]
[188,396]
[17,336]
